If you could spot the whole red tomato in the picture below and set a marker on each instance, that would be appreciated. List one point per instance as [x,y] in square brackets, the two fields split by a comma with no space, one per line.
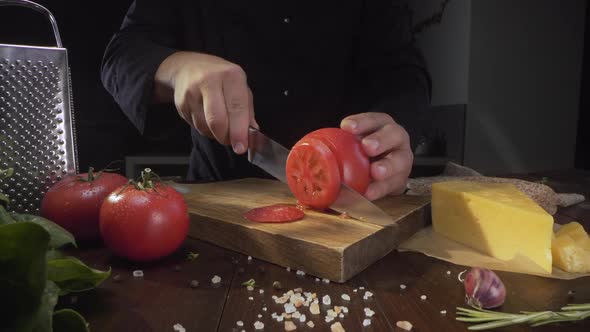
[321,161]
[144,222]
[74,202]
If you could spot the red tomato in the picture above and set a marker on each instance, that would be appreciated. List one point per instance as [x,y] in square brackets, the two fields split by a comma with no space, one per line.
[312,173]
[144,224]
[277,213]
[354,164]
[74,202]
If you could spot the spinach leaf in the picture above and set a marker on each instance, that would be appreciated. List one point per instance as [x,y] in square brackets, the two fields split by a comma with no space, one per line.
[43,321]
[72,275]
[5,217]
[23,278]
[59,236]
[54,254]
[68,320]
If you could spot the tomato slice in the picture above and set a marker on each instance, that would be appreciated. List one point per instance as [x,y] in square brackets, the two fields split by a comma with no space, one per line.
[355,167]
[278,213]
[313,173]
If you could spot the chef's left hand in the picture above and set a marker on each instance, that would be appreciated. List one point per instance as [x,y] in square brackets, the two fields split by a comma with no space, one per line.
[388,146]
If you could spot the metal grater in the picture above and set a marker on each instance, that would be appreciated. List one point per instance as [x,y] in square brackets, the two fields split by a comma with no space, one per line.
[37,136]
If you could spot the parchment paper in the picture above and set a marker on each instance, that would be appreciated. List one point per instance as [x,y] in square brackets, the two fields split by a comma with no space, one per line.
[435,245]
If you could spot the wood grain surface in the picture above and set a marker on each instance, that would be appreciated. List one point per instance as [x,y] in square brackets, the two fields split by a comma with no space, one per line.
[322,244]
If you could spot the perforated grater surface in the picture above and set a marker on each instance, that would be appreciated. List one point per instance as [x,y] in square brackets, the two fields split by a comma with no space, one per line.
[36,118]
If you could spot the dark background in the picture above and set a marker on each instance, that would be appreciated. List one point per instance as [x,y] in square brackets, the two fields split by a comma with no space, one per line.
[104,133]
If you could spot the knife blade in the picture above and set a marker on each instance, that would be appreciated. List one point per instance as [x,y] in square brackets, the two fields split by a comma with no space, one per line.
[272,158]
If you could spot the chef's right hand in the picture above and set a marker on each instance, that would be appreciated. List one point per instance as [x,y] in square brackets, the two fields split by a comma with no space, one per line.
[210,94]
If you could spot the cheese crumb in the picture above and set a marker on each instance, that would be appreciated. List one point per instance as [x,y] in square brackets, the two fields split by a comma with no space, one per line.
[261,291]
[405,325]
[326,281]
[329,319]
[402,286]
[326,300]
[423,297]
[258,325]
[300,273]
[341,315]
[289,326]
[296,315]
[366,322]
[310,324]
[216,279]
[362,287]
[240,323]
[369,312]
[250,288]
[337,327]
[280,319]
[345,297]
[250,298]
[259,316]
[302,318]
[345,310]
[138,273]
[314,308]
[332,313]
[178,328]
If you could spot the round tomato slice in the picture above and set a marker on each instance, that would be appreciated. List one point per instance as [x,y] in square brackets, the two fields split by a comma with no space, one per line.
[278,213]
[313,174]
[354,164]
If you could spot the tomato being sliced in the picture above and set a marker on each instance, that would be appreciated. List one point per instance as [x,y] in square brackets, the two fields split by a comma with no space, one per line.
[278,213]
[353,162]
[313,173]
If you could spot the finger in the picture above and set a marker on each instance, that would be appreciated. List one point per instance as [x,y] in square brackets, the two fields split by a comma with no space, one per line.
[365,123]
[398,162]
[389,137]
[253,122]
[200,123]
[235,91]
[215,111]
[392,186]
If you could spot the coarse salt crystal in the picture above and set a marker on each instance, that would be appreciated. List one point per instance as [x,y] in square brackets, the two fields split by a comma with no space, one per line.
[300,273]
[280,319]
[249,258]
[329,319]
[337,309]
[345,310]
[345,297]
[337,327]
[240,323]
[326,281]
[369,312]
[448,273]
[362,287]
[282,299]
[261,291]
[274,315]
[326,300]
[332,313]
[138,273]
[314,308]
[402,286]
[317,279]
[368,294]
[355,290]
[302,318]
[250,298]
[250,288]
[289,308]
[178,328]
[341,315]
[366,322]
[259,316]
[288,269]
[290,326]
[216,279]
[296,314]
[443,312]
[423,297]
[258,325]
[404,325]
[310,324]
[264,309]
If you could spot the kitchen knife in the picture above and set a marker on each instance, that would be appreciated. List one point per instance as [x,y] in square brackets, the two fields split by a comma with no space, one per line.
[272,158]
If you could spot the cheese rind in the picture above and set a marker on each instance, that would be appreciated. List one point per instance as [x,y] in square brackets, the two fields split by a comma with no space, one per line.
[495,218]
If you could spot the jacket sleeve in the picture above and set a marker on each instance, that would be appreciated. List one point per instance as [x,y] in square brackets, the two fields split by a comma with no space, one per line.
[149,34]
[392,70]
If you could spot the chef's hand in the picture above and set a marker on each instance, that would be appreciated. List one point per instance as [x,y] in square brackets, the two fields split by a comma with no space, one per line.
[388,145]
[210,94]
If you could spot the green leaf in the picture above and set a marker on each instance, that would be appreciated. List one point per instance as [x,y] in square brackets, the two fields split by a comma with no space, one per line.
[54,254]
[72,275]
[68,320]
[4,200]
[59,236]
[44,318]
[6,173]
[24,274]
[5,217]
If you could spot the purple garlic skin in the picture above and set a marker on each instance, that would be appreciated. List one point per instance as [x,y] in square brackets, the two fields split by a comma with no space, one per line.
[483,288]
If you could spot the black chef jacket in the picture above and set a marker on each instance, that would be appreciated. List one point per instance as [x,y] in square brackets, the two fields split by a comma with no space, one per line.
[308,63]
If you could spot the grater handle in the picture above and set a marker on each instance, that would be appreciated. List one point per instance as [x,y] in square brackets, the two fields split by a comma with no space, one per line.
[40,9]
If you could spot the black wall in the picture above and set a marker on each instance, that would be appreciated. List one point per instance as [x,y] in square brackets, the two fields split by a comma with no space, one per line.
[583,140]
[104,133]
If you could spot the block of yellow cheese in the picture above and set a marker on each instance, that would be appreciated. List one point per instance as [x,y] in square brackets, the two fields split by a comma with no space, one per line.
[495,218]
[571,248]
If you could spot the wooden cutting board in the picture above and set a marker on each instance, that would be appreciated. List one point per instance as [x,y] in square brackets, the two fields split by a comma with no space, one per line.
[323,245]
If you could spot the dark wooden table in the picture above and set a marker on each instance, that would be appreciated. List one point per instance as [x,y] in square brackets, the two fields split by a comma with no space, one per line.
[163,298]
